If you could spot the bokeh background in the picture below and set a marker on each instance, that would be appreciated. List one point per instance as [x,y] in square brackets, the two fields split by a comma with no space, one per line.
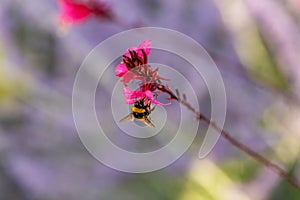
[256,46]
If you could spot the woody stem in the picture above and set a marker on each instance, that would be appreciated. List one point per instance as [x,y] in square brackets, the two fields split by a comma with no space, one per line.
[275,168]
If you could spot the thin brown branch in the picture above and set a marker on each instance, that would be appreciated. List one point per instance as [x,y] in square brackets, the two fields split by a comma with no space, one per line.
[275,168]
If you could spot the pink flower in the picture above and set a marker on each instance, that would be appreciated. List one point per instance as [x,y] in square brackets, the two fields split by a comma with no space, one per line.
[146,45]
[122,69]
[135,95]
[75,11]
[134,66]
[125,74]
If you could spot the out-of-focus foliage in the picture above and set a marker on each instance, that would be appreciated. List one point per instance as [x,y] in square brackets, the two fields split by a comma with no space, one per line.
[284,191]
[241,170]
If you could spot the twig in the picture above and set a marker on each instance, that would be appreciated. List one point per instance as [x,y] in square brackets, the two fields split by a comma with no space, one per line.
[275,168]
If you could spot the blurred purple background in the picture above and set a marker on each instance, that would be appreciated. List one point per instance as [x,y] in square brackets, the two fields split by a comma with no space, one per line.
[256,46]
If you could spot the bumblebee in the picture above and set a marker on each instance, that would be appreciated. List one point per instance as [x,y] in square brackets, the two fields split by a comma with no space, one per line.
[140,111]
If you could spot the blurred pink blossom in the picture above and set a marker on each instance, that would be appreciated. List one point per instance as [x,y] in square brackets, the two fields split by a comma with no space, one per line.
[72,11]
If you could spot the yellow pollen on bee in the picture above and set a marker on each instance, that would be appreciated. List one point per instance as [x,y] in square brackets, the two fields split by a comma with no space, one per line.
[138,110]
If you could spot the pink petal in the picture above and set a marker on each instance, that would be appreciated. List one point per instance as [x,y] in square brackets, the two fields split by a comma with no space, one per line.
[127,77]
[149,94]
[137,94]
[146,45]
[121,69]
[127,92]
[132,95]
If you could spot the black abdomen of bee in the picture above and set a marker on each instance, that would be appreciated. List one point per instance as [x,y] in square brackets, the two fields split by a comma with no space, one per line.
[140,115]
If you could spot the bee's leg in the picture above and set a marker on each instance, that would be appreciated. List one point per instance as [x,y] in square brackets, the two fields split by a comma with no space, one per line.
[148,122]
[127,118]
[149,107]
[152,108]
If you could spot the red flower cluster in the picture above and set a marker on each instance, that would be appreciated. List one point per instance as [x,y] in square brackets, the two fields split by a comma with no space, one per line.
[75,11]
[134,66]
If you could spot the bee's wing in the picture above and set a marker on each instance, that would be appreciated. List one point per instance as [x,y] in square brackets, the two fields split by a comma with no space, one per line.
[127,118]
[148,122]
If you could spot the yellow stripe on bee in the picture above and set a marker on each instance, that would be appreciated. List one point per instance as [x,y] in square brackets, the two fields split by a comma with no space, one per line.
[138,110]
